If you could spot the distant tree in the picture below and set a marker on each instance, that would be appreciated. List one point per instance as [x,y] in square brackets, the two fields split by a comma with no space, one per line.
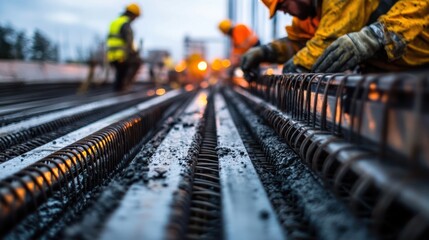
[42,49]
[20,48]
[6,42]
[82,55]
[54,53]
[97,51]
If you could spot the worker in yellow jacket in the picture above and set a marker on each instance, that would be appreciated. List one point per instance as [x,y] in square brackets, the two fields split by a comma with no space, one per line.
[399,40]
[242,39]
[121,51]
[315,25]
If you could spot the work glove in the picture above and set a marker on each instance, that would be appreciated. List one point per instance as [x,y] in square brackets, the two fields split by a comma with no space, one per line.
[349,50]
[290,67]
[253,57]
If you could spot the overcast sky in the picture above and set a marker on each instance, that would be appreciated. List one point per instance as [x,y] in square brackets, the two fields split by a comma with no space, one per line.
[75,23]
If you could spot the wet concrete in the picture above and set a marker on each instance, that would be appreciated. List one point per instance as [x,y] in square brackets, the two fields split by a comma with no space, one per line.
[88,224]
[330,217]
[153,210]
[289,213]
[80,216]
[246,210]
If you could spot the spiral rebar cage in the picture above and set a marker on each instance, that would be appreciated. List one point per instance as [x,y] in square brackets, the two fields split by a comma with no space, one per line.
[365,135]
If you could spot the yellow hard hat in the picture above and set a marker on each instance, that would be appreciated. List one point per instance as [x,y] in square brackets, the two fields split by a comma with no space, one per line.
[134,9]
[271,5]
[225,26]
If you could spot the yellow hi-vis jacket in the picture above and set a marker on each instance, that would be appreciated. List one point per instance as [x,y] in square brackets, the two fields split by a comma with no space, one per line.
[337,17]
[116,45]
[407,32]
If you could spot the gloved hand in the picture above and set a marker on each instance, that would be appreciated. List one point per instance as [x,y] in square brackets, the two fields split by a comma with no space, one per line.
[349,50]
[253,57]
[290,67]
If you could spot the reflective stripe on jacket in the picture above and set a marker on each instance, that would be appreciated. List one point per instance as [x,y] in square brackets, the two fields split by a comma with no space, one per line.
[116,45]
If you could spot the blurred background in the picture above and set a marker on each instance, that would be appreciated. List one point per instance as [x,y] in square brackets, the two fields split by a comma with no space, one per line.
[74,31]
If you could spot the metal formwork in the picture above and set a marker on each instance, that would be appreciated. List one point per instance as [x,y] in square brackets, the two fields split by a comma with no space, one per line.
[365,135]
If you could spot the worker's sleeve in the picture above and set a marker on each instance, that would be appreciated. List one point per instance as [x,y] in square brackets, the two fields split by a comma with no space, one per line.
[303,29]
[235,57]
[338,17]
[242,39]
[127,35]
[402,24]
[240,43]
[285,48]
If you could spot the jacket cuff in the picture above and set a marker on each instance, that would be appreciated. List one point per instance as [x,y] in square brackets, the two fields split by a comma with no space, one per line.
[393,43]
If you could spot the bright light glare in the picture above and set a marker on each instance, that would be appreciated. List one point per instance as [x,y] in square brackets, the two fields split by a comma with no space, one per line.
[202,66]
[160,91]
[189,87]
[238,73]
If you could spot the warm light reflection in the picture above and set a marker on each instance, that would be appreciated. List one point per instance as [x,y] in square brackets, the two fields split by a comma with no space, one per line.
[269,71]
[329,116]
[347,121]
[212,80]
[202,99]
[338,112]
[160,91]
[47,177]
[180,67]
[204,84]
[373,94]
[202,66]
[150,93]
[241,82]
[238,73]
[217,64]
[371,120]
[189,87]
[226,63]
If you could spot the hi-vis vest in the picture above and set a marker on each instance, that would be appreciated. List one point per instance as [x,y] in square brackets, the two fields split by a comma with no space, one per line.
[116,45]
[243,38]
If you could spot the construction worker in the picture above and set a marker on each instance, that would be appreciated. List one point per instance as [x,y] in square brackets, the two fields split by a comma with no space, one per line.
[315,25]
[399,40]
[121,52]
[242,39]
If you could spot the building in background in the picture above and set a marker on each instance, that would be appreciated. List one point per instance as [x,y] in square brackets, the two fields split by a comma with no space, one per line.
[155,64]
[255,14]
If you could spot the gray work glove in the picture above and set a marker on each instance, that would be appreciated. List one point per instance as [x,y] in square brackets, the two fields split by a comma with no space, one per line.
[290,67]
[253,57]
[349,50]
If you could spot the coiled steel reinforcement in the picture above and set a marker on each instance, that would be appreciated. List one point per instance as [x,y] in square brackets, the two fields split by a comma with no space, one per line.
[205,210]
[15,144]
[350,129]
[76,168]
